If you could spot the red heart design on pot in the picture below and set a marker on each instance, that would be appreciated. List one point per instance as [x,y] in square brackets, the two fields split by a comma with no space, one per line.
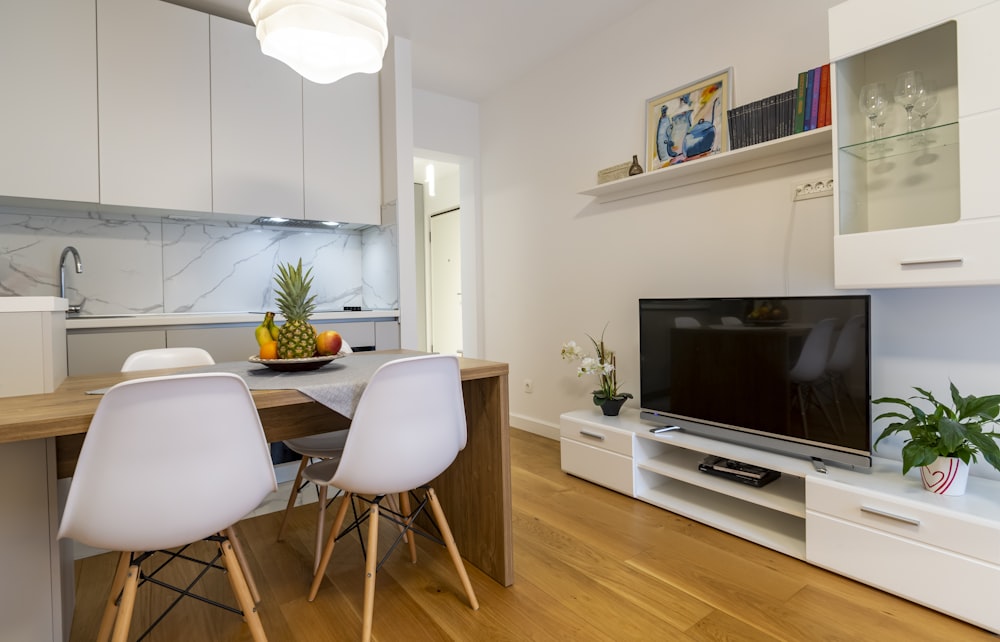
[932,479]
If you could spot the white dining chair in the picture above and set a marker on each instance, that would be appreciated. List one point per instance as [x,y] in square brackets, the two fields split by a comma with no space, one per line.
[168,461]
[160,358]
[181,357]
[328,445]
[408,428]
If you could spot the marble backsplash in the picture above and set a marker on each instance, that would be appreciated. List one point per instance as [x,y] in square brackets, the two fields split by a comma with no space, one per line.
[142,265]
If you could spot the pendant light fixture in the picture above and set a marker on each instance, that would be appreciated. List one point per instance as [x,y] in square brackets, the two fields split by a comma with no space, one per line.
[323,40]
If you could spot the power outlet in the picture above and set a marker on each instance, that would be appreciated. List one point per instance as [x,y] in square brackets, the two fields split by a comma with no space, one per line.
[815,189]
[529,386]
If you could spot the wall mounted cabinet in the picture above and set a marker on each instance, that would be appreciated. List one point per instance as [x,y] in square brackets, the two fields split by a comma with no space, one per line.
[914,200]
[48,115]
[155,109]
[256,127]
[342,172]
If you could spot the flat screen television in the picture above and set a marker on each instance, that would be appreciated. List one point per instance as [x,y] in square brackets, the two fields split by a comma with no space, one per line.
[785,374]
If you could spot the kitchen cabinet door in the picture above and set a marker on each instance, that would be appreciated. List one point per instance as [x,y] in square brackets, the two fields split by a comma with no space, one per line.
[256,127]
[48,115]
[342,161]
[155,114]
[101,352]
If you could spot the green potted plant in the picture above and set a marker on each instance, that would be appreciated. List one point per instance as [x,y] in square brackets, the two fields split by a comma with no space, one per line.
[944,440]
[609,396]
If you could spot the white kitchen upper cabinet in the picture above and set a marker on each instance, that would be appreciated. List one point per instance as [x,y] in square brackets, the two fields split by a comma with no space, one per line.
[48,112]
[256,127]
[155,110]
[342,164]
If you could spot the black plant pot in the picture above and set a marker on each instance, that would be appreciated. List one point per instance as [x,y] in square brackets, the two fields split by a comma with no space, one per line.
[612,406]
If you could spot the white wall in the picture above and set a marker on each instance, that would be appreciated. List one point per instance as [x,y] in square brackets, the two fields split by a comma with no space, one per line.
[557,266]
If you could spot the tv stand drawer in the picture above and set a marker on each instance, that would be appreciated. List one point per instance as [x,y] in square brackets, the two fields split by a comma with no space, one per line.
[920,522]
[600,466]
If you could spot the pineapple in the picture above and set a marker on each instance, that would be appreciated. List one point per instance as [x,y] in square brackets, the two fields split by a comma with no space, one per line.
[297,338]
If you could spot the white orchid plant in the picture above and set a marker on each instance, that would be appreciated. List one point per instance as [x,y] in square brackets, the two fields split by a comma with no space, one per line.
[602,365]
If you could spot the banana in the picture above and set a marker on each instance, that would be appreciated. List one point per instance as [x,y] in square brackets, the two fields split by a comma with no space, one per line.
[263,331]
[271,326]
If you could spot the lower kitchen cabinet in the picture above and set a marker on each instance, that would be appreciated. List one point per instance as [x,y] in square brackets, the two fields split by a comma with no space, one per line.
[106,350]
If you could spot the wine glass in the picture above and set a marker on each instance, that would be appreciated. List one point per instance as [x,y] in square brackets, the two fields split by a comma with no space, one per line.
[873,102]
[924,103]
[908,87]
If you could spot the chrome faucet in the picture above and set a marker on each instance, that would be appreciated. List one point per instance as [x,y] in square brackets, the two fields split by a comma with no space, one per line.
[73,309]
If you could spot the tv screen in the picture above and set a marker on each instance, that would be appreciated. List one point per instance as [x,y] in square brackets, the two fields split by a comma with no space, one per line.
[785,374]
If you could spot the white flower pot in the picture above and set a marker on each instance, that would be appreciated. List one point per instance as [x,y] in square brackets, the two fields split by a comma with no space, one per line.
[945,476]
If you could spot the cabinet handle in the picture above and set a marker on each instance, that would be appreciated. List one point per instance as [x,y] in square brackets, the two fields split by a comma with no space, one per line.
[917,262]
[596,435]
[898,518]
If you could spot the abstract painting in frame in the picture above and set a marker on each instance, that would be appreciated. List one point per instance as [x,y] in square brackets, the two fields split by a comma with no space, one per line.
[689,122]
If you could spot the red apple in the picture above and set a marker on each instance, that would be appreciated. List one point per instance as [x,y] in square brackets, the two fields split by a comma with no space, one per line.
[329,342]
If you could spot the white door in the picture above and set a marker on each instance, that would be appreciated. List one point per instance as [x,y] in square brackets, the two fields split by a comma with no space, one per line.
[446,283]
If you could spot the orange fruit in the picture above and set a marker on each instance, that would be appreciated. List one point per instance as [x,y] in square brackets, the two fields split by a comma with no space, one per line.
[269,350]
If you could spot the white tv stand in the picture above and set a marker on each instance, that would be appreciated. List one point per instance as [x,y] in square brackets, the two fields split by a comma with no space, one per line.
[881,528]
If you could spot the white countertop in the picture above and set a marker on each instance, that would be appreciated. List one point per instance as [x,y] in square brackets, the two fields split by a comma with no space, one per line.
[85,322]
[33,304]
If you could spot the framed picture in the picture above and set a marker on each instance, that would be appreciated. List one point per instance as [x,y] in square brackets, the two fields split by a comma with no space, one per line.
[689,122]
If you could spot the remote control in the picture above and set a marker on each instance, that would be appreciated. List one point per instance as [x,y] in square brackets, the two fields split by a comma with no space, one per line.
[657,430]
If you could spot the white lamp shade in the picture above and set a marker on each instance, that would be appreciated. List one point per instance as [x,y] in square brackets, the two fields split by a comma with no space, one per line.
[323,40]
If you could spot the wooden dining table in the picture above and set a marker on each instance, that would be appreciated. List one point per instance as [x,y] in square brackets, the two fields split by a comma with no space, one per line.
[474,491]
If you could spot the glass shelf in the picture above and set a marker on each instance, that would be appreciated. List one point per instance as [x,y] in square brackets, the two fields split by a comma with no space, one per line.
[925,139]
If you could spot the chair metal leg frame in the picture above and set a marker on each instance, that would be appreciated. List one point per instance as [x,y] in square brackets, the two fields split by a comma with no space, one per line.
[372,561]
[129,577]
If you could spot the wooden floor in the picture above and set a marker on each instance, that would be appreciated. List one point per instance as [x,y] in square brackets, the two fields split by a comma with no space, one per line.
[590,565]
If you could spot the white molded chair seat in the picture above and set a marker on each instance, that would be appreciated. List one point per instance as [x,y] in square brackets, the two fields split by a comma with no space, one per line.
[408,428]
[159,358]
[168,461]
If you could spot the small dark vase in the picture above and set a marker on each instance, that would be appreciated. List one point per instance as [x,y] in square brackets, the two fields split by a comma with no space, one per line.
[612,406]
[635,169]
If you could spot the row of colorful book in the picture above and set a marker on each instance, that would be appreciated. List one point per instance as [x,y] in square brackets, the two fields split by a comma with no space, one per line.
[797,110]
[812,106]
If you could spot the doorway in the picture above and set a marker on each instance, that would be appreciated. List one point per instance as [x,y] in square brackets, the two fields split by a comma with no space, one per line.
[442,251]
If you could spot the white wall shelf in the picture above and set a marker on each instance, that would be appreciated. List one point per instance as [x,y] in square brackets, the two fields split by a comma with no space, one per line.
[811,144]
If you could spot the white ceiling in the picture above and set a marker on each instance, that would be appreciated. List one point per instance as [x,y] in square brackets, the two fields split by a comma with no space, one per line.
[470,48]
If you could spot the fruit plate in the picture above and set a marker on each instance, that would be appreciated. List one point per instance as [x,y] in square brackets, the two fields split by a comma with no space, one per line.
[766,322]
[295,365]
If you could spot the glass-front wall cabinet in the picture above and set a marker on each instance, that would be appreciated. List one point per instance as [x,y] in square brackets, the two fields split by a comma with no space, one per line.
[897,136]
[916,132]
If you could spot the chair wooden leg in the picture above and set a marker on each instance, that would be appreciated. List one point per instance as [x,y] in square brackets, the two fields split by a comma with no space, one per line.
[371,563]
[111,607]
[244,566]
[124,619]
[411,541]
[242,592]
[292,496]
[331,540]
[449,542]
[320,519]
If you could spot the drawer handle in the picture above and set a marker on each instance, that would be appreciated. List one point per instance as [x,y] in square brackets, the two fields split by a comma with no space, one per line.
[898,518]
[918,262]
[596,435]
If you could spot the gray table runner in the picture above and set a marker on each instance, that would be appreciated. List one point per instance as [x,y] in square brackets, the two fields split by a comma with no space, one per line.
[337,385]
